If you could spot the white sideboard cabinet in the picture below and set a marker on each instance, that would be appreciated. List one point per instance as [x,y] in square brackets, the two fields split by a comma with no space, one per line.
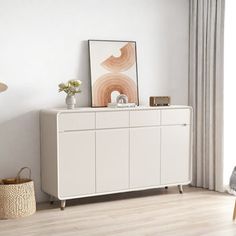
[95,151]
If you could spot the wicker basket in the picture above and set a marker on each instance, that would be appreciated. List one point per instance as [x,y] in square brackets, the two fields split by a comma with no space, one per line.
[17,198]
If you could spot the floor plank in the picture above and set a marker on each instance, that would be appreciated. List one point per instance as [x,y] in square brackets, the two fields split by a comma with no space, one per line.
[149,213]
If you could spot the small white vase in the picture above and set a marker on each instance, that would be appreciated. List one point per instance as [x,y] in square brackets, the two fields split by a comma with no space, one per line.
[70,101]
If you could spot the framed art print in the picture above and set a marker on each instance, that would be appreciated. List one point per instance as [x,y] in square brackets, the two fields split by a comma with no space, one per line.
[113,68]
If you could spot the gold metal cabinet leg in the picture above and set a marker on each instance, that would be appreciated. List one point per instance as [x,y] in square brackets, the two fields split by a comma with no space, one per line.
[63,205]
[180,187]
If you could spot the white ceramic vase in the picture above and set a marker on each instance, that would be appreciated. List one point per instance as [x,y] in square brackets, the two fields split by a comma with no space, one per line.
[70,101]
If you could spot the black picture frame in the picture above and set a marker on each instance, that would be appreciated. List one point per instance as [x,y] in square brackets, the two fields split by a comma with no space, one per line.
[123,74]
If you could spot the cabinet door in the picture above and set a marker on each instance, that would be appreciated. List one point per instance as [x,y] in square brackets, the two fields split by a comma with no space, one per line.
[175,154]
[76,163]
[112,160]
[144,157]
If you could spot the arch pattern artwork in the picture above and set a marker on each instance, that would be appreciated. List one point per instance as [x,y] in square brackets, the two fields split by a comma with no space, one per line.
[123,62]
[110,82]
[111,73]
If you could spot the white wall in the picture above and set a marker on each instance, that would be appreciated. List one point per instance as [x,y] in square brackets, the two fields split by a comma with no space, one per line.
[229,90]
[44,42]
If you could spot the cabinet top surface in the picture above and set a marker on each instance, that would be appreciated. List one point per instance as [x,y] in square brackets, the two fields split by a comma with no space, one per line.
[104,109]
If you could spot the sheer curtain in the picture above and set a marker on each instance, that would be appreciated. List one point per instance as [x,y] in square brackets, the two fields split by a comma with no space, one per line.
[206,91]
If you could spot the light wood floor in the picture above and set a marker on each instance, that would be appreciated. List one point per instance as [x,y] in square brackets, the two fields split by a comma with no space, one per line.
[154,212]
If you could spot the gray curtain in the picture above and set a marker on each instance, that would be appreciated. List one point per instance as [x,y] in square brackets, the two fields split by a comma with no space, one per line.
[206,91]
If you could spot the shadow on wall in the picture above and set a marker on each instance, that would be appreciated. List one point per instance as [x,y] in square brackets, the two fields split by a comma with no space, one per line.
[20,146]
[83,74]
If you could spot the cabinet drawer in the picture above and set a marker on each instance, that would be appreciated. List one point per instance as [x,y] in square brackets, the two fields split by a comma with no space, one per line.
[175,117]
[114,119]
[144,118]
[76,121]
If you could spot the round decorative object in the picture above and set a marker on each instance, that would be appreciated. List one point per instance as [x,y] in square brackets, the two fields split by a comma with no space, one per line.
[122,98]
[3,87]
[70,101]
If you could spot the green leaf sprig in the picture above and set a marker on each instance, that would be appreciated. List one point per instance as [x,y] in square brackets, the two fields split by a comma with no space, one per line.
[71,87]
